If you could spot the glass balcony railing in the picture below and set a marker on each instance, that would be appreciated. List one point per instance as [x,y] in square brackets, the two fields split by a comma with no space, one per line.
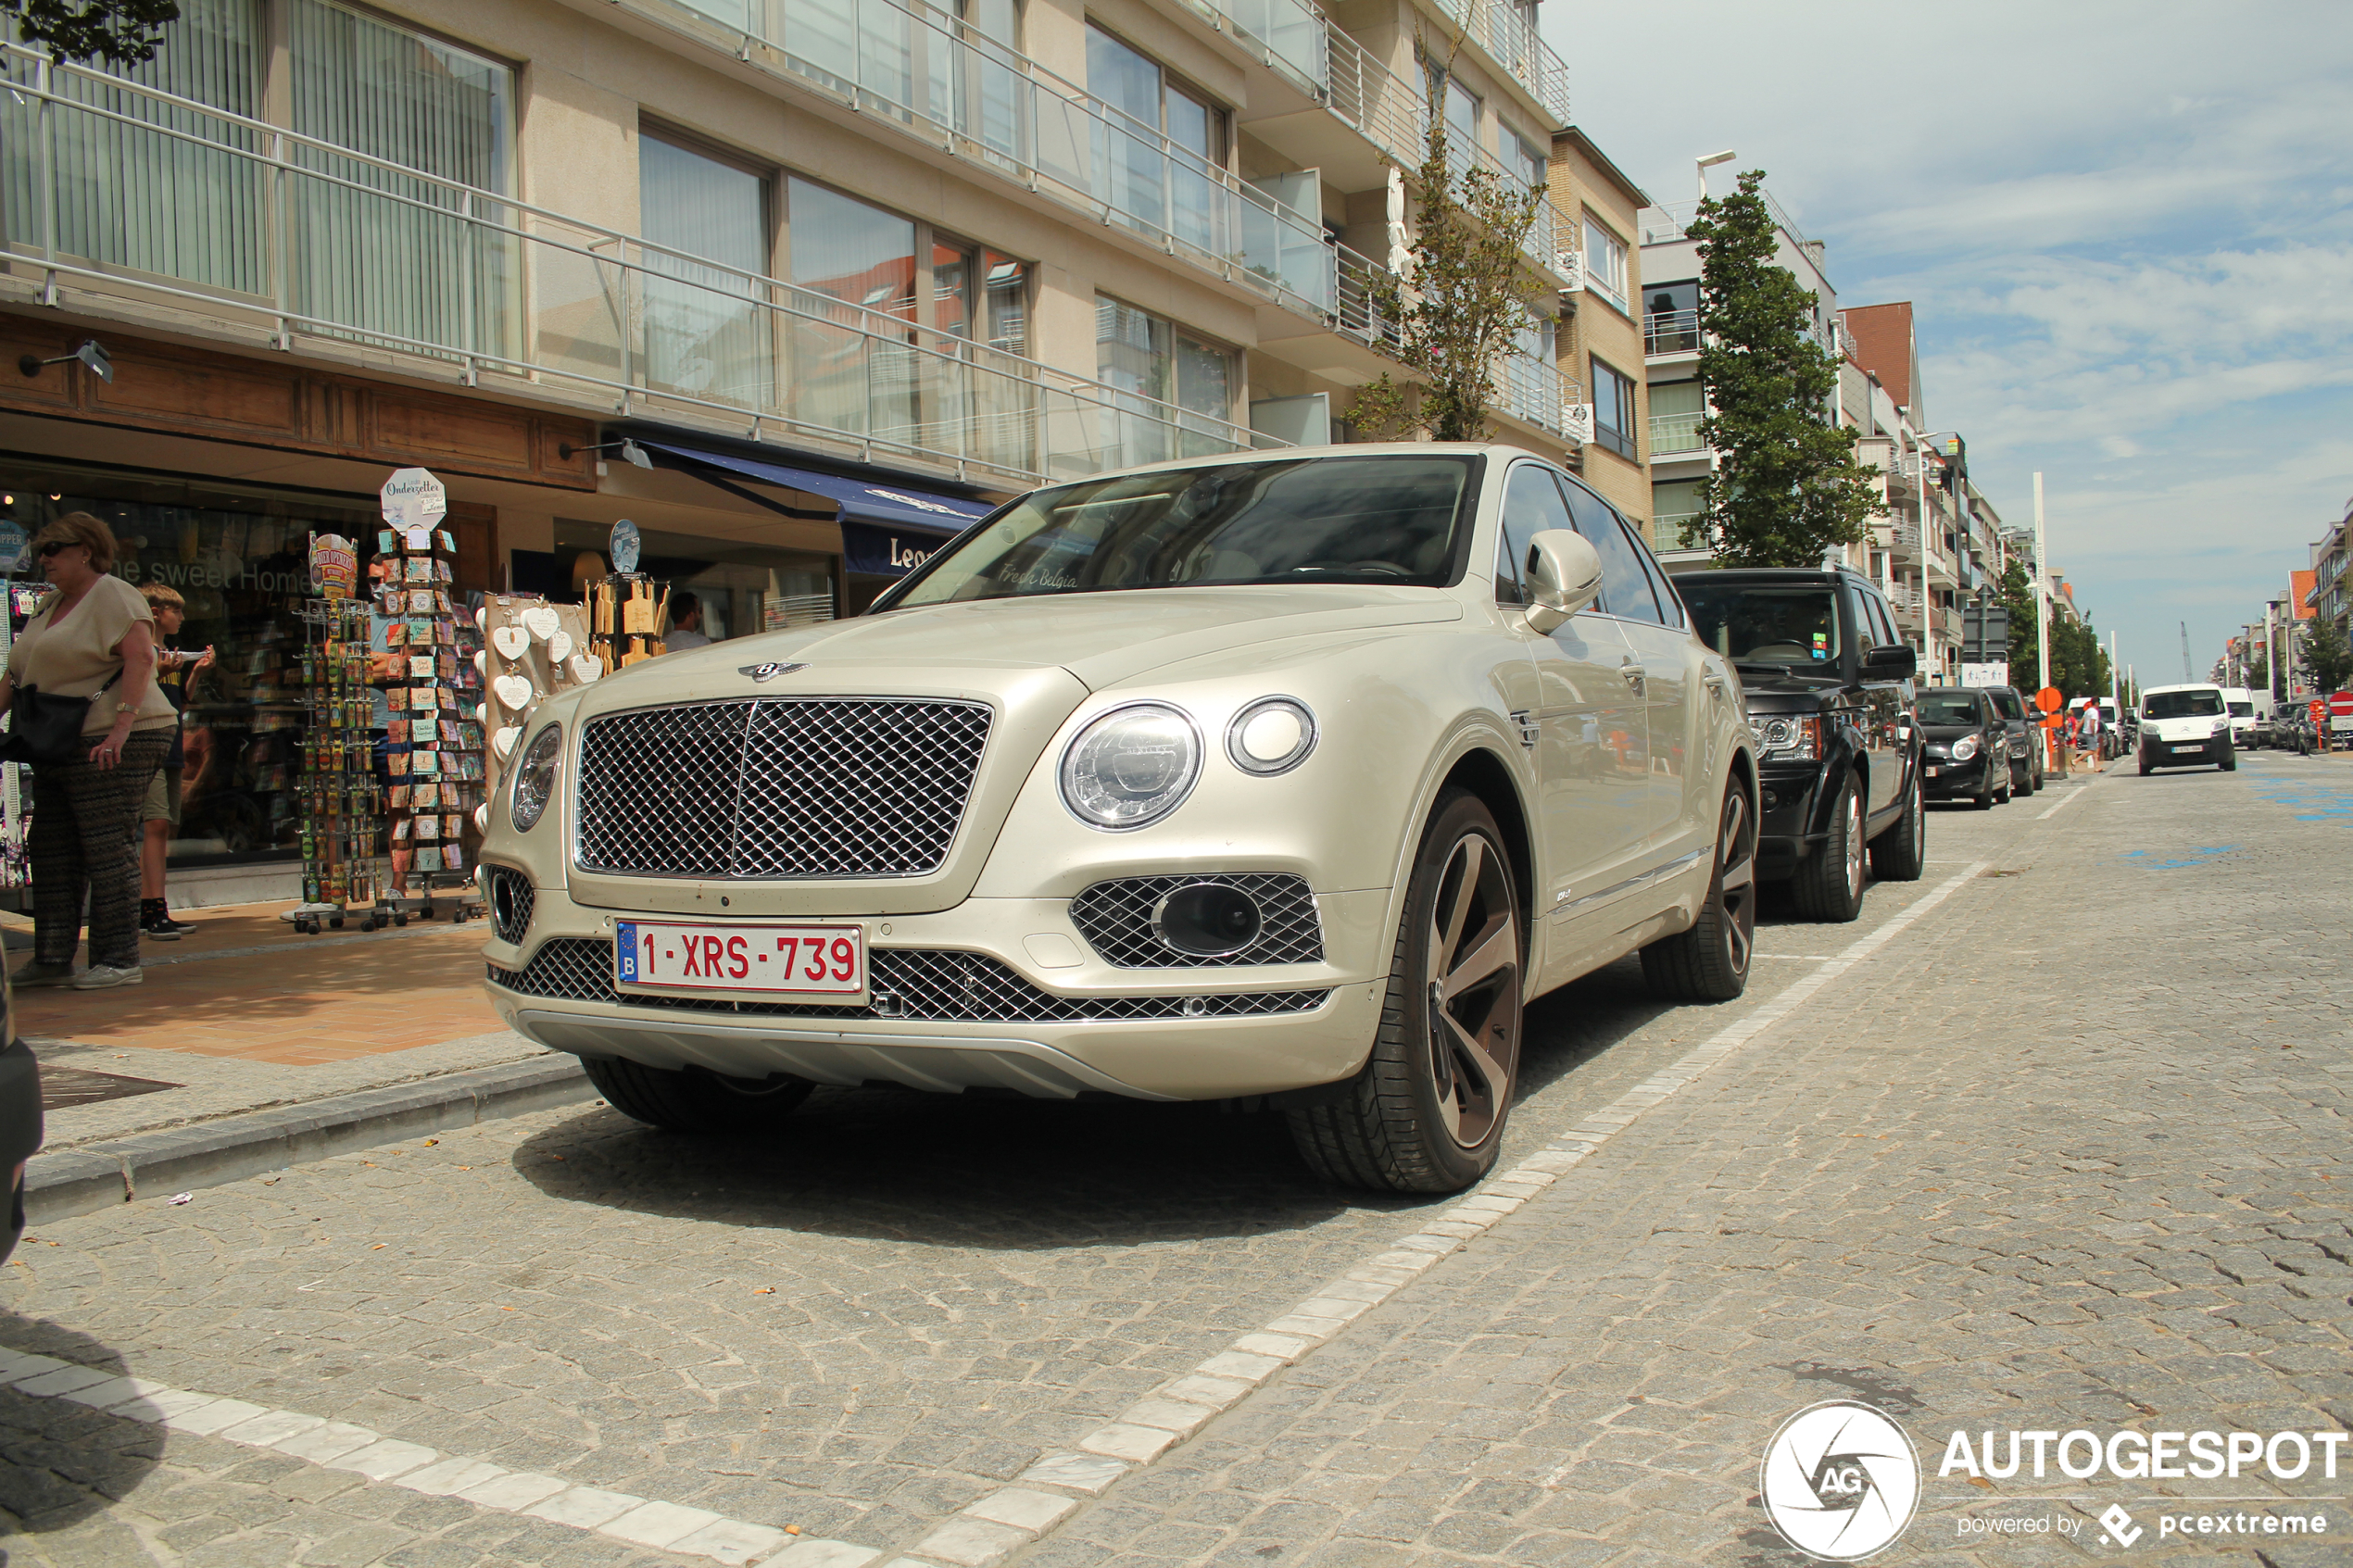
[1670,331]
[1533,389]
[1289,33]
[124,194]
[928,73]
[1676,433]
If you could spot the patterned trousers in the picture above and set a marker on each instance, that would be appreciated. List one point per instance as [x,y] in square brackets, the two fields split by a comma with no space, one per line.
[84,841]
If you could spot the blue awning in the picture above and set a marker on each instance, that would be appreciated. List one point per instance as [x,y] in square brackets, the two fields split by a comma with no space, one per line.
[895,505]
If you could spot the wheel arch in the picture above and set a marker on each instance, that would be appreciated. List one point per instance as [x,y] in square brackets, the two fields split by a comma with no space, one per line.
[1481,772]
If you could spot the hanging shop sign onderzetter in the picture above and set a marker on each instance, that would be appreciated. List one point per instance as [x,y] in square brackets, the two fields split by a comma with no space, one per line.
[626,545]
[413,501]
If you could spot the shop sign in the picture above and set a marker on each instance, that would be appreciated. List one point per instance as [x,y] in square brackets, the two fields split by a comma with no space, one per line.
[413,500]
[626,544]
[14,542]
[335,566]
[883,550]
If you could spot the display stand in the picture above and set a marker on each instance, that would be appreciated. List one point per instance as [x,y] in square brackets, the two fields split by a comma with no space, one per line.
[340,801]
[626,612]
[433,749]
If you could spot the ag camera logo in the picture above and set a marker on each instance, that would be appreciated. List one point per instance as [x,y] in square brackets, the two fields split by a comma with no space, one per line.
[1840,1481]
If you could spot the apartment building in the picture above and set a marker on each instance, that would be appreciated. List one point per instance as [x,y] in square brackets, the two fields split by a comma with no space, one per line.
[1598,211]
[796,285]
[1676,402]
[2330,595]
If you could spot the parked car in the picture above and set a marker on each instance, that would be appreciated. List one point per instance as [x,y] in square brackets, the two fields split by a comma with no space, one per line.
[2246,724]
[1830,702]
[2185,726]
[2022,738]
[20,1119]
[1965,750]
[1286,778]
[2292,730]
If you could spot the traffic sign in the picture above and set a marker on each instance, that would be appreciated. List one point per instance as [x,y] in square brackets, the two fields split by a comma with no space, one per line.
[2341,705]
[2050,699]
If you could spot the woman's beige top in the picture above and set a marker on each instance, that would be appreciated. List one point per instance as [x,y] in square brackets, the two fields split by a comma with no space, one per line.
[84,651]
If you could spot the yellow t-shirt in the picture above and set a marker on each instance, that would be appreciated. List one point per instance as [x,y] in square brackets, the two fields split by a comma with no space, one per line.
[85,652]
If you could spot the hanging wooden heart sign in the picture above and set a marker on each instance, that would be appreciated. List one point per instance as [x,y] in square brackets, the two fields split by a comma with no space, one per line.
[541,621]
[513,643]
[585,667]
[559,647]
[514,693]
[503,741]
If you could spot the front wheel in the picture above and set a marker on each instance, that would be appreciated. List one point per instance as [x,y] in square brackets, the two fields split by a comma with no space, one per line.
[1709,962]
[1829,886]
[693,1100]
[1899,854]
[1427,1112]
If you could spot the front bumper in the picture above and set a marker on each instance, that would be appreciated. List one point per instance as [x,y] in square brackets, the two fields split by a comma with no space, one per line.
[1941,779]
[1789,827]
[2185,754]
[971,1006]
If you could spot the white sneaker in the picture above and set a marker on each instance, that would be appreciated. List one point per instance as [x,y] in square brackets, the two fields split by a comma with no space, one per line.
[100,977]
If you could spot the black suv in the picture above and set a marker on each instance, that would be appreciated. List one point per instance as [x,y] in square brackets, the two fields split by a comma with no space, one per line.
[1828,683]
[2025,738]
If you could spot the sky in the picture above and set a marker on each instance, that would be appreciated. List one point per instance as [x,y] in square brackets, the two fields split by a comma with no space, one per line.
[2126,230]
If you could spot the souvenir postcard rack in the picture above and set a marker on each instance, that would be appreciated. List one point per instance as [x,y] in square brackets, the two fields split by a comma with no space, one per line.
[340,803]
[434,744]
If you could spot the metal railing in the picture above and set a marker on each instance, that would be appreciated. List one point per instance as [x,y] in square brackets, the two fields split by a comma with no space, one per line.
[1508,35]
[1670,331]
[1669,221]
[936,78]
[136,195]
[1289,34]
[1530,388]
[1676,433]
[1680,530]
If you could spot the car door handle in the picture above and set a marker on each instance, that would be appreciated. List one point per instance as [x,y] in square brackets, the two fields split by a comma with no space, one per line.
[1716,685]
[1633,673]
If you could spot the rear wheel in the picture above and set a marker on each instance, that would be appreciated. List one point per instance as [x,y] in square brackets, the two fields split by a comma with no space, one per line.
[1427,1112]
[1829,886]
[1899,854]
[1709,962]
[693,1100]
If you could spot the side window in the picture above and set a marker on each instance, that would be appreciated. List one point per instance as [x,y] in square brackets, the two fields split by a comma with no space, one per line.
[1885,621]
[1861,627]
[1625,590]
[1531,503]
[1871,622]
[1670,608]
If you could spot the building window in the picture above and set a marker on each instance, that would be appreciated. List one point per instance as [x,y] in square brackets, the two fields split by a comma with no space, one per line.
[1525,155]
[703,326]
[1670,317]
[1163,153]
[1604,263]
[1677,409]
[1613,410]
[1676,521]
[1173,392]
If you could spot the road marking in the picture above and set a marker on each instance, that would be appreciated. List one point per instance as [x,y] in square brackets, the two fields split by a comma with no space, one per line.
[1182,1407]
[692,1532]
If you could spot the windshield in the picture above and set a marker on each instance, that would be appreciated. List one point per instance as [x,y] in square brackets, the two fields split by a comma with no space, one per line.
[2007,704]
[1387,520]
[2243,709]
[1763,623]
[1948,707]
[2184,705]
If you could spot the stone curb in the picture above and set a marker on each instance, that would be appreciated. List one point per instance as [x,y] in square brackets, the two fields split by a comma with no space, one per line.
[99,1175]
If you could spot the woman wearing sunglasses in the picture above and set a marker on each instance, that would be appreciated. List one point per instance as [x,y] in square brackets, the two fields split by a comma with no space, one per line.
[93,637]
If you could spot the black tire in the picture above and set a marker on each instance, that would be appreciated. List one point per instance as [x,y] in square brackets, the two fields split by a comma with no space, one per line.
[1427,1113]
[2008,787]
[1828,884]
[2147,767]
[1709,962]
[1900,853]
[693,1100]
[2230,763]
[1983,799]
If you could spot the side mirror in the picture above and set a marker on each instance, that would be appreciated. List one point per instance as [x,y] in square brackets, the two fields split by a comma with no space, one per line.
[1892,661]
[1563,575]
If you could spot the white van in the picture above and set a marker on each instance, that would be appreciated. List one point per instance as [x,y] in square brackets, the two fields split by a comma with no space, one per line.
[2247,726]
[2187,726]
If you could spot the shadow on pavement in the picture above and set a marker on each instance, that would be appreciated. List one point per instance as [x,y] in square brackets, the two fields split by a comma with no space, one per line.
[61,1461]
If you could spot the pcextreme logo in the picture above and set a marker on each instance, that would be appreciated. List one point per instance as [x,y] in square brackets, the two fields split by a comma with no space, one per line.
[1840,1481]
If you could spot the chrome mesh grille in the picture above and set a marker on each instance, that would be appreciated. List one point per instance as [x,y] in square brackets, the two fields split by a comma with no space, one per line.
[925,986]
[1117,919]
[519,899]
[778,787]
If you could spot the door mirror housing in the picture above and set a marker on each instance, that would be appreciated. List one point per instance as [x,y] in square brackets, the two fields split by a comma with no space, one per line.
[1892,661]
[1563,575]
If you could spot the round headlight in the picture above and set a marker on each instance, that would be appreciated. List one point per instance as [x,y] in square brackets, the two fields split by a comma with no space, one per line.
[1777,734]
[1272,735]
[1964,748]
[1132,766]
[536,778]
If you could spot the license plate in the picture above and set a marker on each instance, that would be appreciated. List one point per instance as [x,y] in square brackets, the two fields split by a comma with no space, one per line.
[768,960]
[1933,771]
[2190,748]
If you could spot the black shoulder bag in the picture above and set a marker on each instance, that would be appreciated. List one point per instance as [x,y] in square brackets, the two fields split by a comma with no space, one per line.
[46,731]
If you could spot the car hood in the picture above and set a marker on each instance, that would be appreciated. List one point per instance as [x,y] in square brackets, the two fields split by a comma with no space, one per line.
[1791,690]
[1950,732]
[1104,639]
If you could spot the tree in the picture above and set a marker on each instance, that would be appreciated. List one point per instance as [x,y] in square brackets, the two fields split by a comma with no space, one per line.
[1466,304]
[1786,488]
[2078,665]
[2017,598]
[119,32]
[2328,658]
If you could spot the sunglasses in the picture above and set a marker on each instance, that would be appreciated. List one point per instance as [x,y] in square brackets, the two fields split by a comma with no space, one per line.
[54,545]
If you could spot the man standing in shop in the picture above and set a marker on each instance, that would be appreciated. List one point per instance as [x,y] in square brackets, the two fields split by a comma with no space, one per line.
[685,624]
[159,817]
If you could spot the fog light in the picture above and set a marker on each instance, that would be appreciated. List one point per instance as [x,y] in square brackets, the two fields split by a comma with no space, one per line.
[1207,920]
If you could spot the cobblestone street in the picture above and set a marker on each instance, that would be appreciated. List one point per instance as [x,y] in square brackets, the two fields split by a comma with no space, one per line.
[2053,1138]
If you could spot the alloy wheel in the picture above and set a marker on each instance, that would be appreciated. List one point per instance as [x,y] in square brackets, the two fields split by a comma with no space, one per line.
[1473,985]
[1854,845]
[1738,880]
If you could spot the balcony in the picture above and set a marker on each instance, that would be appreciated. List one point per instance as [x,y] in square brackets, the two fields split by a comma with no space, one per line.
[1532,390]
[1288,35]
[1670,331]
[1665,224]
[1675,433]
[1680,530]
[1508,34]
[457,282]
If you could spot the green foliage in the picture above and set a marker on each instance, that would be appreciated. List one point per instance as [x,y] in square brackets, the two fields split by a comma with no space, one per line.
[2017,598]
[2328,658]
[118,32]
[2078,664]
[1467,305]
[1786,488]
